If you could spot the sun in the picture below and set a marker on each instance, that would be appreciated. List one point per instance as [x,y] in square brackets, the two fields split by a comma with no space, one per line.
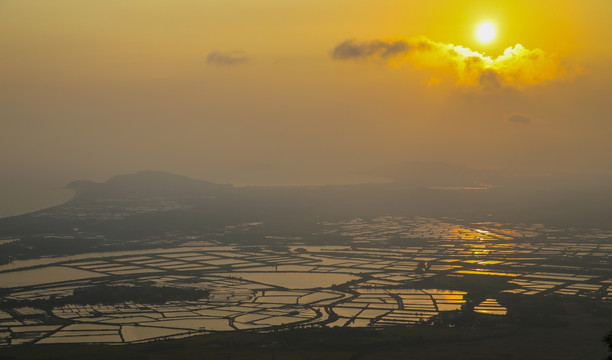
[486,32]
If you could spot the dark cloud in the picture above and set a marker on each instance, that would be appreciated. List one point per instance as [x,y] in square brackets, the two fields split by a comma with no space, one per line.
[519,119]
[352,49]
[227,58]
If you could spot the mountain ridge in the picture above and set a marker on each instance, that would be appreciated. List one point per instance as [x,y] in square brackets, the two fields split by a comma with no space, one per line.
[148,183]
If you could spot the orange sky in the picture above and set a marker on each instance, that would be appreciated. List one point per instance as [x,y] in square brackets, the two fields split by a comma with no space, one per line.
[90,89]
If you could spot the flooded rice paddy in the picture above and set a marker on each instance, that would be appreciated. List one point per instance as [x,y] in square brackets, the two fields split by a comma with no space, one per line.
[370,282]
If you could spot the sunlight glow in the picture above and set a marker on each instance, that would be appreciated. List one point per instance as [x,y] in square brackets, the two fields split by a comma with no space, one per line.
[486,32]
[516,66]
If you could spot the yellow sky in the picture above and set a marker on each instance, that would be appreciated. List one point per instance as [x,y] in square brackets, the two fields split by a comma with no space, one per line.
[302,27]
[95,88]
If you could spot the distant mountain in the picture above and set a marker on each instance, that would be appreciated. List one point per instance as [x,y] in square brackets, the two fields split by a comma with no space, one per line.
[153,203]
[147,184]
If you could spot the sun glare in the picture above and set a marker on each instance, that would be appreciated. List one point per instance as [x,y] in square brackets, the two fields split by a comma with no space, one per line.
[485,32]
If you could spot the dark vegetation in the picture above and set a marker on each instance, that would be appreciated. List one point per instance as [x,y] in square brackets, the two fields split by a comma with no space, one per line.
[109,295]
[608,341]
[146,294]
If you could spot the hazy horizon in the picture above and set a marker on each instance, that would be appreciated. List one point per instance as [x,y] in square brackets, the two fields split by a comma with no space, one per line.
[278,93]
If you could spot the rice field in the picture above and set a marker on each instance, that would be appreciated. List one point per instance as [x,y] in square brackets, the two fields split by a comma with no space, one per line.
[369,283]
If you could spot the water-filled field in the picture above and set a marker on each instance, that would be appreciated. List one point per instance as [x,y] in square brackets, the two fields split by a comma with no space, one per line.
[396,271]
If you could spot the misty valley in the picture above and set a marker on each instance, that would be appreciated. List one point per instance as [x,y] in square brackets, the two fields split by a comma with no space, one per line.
[156,257]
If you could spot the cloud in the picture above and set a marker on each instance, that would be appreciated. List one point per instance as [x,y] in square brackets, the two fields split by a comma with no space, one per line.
[351,49]
[516,67]
[519,119]
[227,58]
